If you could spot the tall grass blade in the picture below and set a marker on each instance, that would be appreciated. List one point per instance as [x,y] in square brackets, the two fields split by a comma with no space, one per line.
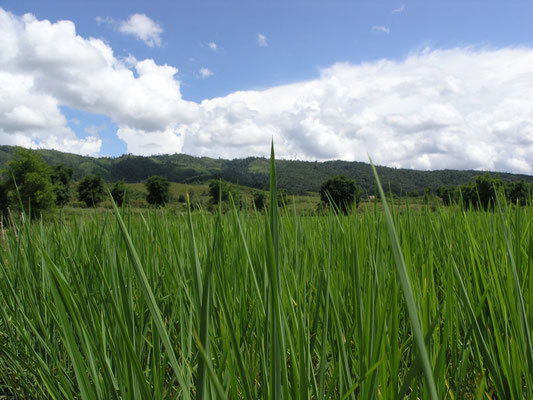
[277,350]
[151,303]
[405,283]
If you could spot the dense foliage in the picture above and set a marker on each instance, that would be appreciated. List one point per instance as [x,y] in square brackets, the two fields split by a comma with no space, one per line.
[4,199]
[341,192]
[259,200]
[28,182]
[61,177]
[91,190]
[483,190]
[158,193]
[119,192]
[220,191]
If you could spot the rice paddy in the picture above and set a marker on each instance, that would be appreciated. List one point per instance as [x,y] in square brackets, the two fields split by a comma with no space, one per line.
[380,304]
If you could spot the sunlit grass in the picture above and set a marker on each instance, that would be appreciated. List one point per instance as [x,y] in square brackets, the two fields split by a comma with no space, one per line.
[158,305]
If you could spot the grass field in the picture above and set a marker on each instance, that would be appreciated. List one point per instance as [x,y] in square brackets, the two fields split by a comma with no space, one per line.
[158,305]
[199,196]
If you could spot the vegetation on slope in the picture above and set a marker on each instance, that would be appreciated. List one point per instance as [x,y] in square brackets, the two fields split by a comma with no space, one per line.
[297,177]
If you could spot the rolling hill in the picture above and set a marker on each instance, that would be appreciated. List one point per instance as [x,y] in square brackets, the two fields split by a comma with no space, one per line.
[297,177]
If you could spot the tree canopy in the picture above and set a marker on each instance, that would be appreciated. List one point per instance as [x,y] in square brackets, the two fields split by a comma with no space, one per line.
[61,177]
[119,192]
[28,175]
[219,190]
[91,190]
[259,200]
[341,192]
[482,192]
[158,190]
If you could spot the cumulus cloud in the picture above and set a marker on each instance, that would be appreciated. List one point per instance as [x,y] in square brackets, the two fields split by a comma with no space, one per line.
[138,25]
[213,46]
[205,73]
[444,108]
[44,65]
[146,142]
[262,40]
[380,29]
[456,108]
[143,28]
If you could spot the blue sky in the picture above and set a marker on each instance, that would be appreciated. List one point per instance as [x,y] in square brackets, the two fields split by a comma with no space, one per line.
[325,79]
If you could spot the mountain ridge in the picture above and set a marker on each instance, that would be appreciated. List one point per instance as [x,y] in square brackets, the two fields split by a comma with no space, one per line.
[297,177]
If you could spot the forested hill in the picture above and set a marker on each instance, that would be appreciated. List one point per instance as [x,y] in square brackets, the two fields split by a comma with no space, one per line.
[296,177]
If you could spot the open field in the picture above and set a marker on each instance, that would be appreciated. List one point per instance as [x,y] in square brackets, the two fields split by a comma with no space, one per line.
[152,248]
[199,195]
[417,304]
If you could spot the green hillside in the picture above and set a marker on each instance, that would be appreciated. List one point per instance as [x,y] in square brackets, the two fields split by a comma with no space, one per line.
[297,177]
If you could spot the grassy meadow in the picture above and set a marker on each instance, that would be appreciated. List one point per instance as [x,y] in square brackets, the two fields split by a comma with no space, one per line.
[382,304]
[198,196]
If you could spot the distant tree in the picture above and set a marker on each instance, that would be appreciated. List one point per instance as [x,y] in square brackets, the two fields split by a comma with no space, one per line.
[259,200]
[219,190]
[29,175]
[341,191]
[487,188]
[518,192]
[61,177]
[91,190]
[467,195]
[119,192]
[481,192]
[62,174]
[158,190]
[4,199]
[448,194]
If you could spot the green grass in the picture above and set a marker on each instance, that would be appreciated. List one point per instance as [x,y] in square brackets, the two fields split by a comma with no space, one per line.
[387,303]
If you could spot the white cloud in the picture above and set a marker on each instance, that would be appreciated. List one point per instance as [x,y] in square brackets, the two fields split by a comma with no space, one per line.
[147,142]
[454,108]
[139,25]
[399,10]
[213,46]
[46,65]
[143,28]
[380,29]
[205,72]
[262,40]
[28,116]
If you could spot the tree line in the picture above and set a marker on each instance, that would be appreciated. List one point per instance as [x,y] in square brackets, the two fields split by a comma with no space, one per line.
[297,177]
[482,192]
[29,182]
